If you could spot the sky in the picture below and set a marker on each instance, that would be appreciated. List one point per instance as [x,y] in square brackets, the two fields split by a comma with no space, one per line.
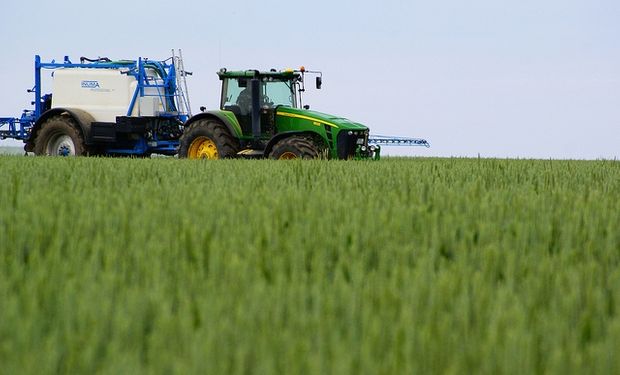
[489,78]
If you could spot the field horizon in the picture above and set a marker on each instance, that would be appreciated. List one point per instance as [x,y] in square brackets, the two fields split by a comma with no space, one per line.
[19,150]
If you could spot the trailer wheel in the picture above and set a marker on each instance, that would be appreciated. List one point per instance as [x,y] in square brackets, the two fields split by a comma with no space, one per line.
[59,136]
[207,139]
[294,147]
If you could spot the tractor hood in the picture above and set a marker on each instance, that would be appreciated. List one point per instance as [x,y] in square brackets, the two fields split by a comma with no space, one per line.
[319,118]
[344,138]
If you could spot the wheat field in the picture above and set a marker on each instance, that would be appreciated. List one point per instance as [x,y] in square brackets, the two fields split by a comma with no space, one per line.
[404,265]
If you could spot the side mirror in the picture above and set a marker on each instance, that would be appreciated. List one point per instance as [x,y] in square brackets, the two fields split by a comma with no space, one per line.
[306,106]
[319,82]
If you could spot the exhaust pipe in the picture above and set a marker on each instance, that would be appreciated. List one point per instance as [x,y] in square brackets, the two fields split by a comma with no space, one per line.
[256,128]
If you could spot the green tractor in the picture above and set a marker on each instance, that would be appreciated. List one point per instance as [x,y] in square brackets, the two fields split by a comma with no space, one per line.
[261,115]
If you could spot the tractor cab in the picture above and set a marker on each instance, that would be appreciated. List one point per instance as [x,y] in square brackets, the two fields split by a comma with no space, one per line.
[272,90]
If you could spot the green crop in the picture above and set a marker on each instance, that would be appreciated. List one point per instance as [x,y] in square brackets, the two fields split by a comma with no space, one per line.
[402,266]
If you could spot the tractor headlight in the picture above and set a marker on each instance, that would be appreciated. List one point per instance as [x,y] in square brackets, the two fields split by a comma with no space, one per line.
[350,132]
[363,148]
[372,148]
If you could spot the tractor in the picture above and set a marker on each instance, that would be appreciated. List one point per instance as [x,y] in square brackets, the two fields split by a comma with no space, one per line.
[261,115]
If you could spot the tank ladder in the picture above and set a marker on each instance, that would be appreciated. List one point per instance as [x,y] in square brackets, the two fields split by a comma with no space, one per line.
[181,92]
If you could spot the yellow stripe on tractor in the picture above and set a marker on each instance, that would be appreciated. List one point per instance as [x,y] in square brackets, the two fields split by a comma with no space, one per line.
[314,121]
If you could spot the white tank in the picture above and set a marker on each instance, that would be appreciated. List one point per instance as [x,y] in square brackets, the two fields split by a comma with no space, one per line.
[104,93]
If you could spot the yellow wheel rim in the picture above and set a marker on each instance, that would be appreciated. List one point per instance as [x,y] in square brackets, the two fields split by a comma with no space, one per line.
[287,156]
[203,148]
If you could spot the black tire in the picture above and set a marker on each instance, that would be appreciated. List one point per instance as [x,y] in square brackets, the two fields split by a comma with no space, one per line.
[295,147]
[59,136]
[207,139]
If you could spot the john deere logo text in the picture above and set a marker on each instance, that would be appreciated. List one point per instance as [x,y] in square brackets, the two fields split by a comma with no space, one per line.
[90,85]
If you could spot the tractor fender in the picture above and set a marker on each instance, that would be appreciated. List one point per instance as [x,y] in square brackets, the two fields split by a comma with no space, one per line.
[232,126]
[81,117]
[280,136]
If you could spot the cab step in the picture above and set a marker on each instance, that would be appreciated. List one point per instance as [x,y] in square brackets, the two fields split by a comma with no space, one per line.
[250,153]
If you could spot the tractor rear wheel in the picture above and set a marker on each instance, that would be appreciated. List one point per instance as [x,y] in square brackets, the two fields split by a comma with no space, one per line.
[207,139]
[294,147]
[59,136]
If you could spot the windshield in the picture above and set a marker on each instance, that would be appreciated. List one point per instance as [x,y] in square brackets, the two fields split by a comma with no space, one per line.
[236,93]
[278,93]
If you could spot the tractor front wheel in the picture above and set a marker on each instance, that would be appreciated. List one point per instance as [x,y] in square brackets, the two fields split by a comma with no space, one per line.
[59,136]
[294,147]
[207,139]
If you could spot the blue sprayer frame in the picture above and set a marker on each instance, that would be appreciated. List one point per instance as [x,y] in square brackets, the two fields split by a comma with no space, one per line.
[21,128]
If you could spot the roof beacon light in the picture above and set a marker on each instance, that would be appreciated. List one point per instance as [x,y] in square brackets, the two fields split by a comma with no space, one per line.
[302,69]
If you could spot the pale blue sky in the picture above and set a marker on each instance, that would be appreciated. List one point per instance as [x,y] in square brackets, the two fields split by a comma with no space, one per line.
[523,78]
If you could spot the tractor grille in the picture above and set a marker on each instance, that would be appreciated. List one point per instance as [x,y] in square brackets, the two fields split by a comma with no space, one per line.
[347,143]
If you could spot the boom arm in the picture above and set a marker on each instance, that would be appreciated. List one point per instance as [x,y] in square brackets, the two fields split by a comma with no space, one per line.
[10,128]
[387,140]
